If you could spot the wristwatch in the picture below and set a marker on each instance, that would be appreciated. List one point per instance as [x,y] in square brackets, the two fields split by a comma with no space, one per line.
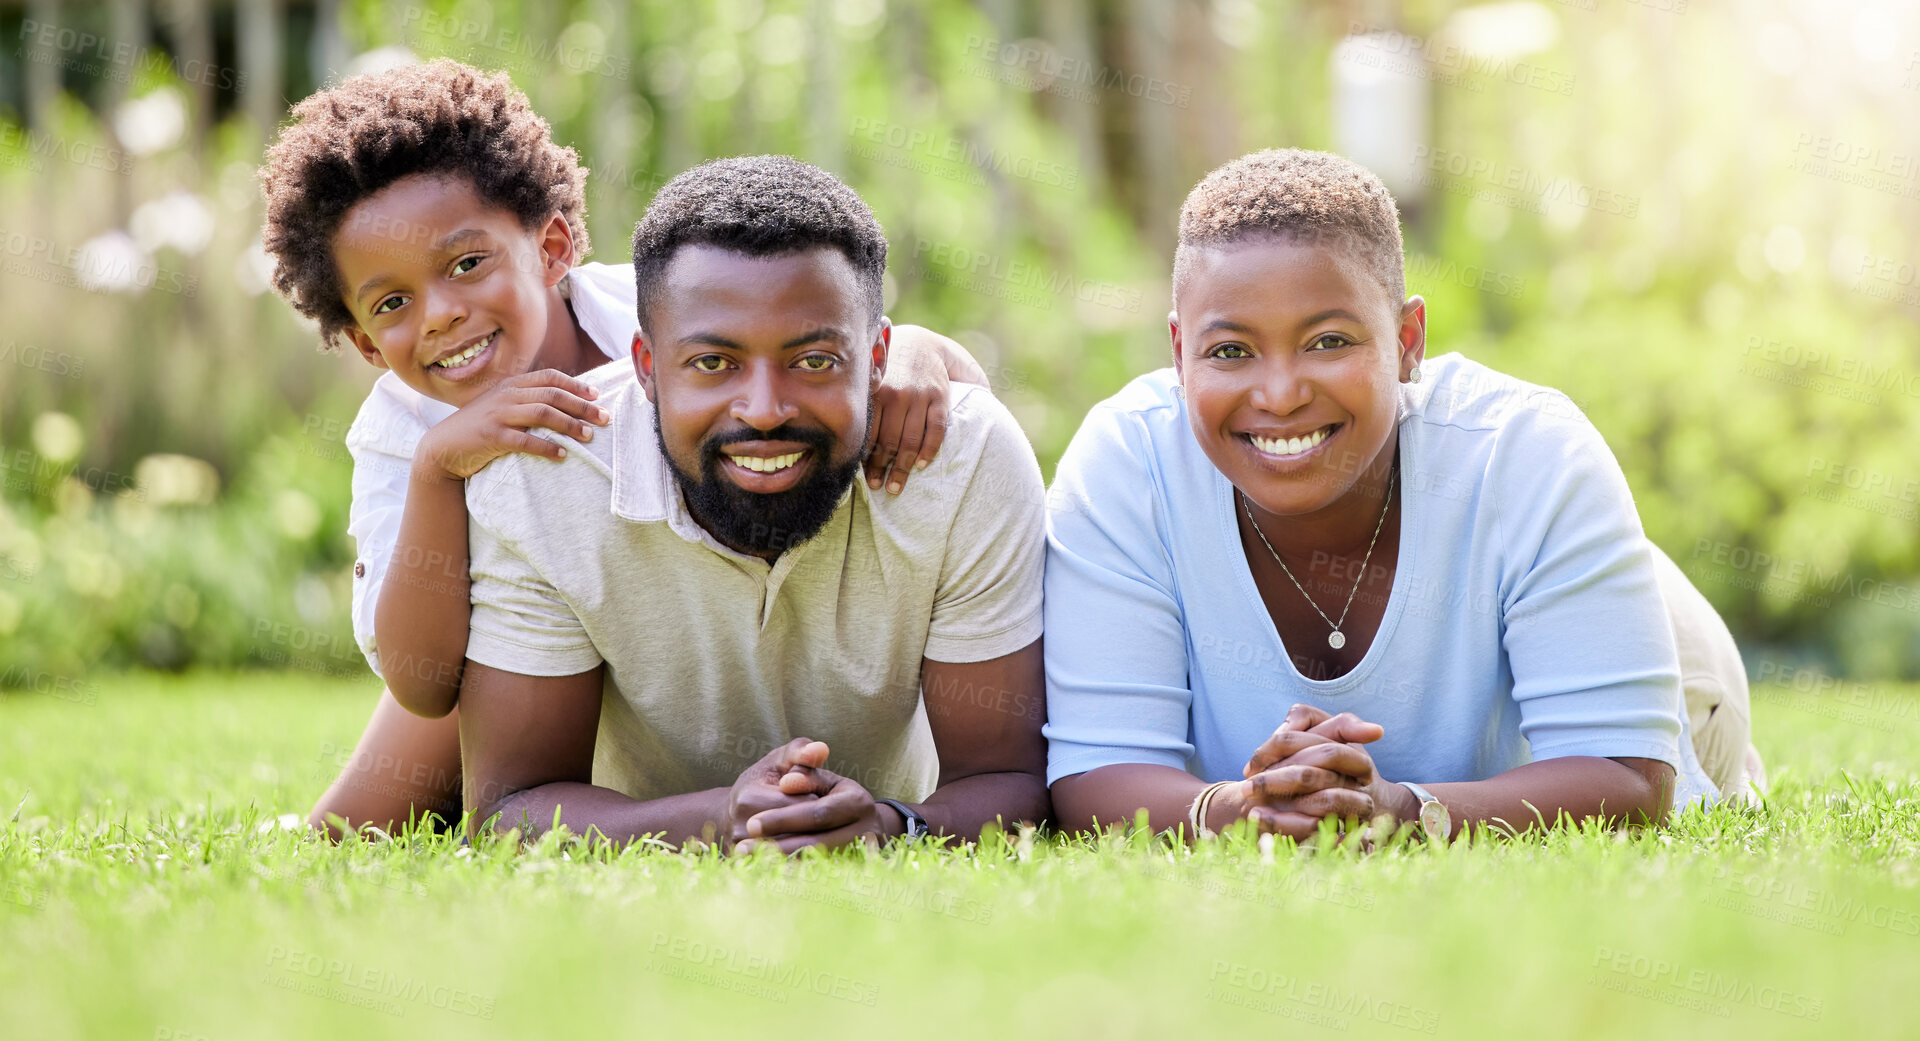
[916,824]
[1435,819]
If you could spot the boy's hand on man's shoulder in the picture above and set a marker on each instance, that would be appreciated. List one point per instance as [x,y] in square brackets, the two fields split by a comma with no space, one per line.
[910,408]
[499,421]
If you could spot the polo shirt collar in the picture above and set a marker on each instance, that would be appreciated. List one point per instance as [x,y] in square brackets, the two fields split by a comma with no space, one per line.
[644,490]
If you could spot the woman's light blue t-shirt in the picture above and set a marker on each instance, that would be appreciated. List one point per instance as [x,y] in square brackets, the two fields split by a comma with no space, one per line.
[1525,620]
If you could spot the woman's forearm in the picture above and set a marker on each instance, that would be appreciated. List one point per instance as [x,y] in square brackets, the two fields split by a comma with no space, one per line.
[965,806]
[1636,791]
[420,623]
[1115,794]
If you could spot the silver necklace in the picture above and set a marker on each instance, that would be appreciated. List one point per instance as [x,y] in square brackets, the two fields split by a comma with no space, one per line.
[1336,639]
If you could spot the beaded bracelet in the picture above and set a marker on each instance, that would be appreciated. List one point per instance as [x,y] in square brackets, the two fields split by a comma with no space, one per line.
[1197,811]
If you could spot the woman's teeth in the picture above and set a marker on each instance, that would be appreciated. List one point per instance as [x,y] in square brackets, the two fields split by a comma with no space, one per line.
[1289,445]
[766,464]
[467,355]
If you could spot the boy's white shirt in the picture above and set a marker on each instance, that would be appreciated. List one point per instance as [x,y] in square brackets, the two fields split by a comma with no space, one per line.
[394,417]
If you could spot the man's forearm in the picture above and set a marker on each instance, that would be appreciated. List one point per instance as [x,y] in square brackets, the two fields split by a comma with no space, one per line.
[964,806]
[586,809]
[420,621]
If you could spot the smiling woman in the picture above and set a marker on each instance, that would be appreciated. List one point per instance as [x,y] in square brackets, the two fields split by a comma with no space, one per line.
[1308,573]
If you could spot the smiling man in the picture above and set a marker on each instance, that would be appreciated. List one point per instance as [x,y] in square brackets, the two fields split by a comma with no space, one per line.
[699,624]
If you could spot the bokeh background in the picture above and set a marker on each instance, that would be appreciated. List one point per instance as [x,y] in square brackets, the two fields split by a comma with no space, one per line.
[1697,217]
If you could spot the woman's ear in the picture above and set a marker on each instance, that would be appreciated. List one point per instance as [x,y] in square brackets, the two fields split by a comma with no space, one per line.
[1173,335]
[1413,334]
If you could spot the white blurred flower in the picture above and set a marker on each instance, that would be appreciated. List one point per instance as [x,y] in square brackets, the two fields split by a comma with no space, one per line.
[57,437]
[166,479]
[1504,31]
[296,514]
[151,122]
[1784,249]
[113,262]
[177,219]
[253,269]
[382,59]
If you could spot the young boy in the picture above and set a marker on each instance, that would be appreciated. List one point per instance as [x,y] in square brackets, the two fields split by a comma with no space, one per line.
[426,216]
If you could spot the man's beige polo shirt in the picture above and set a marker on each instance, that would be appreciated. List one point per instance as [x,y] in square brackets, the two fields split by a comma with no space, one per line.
[713,657]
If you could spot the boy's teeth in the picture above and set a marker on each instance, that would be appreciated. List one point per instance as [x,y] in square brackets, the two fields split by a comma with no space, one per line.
[1288,445]
[765,464]
[467,355]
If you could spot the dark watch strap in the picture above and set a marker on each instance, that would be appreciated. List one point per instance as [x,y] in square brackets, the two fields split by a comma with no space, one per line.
[916,824]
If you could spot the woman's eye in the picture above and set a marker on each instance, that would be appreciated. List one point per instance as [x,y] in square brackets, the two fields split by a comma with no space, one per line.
[1231,351]
[815,363]
[709,363]
[389,304]
[466,264]
[1332,341]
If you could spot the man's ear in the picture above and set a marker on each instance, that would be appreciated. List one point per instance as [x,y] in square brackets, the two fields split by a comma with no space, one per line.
[1413,333]
[557,253]
[1173,334]
[364,344]
[881,345]
[643,363]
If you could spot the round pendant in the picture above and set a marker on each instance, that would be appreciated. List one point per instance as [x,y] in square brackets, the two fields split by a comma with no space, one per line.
[1337,640]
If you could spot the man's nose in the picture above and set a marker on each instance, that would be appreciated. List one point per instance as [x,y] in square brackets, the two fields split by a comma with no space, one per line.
[762,403]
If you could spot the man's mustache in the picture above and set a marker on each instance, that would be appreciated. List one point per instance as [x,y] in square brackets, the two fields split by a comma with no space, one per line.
[812,437]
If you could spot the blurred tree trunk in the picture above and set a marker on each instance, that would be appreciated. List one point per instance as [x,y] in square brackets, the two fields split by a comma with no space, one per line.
[43,68]
[826,129]
[671,32]
[1149,42]
[129,30]
[1068,25]
[259,31]
[329,48]
[191,28]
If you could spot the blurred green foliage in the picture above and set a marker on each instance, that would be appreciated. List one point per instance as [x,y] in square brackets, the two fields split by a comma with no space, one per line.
[1659,223]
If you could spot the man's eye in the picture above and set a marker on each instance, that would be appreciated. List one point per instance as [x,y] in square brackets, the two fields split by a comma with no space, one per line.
[815,363]
[466,264]
[383,307]
[1231,351]
[709,363]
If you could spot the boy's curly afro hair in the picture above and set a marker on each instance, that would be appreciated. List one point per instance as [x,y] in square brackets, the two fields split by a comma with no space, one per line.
[1298,196]
[349,141]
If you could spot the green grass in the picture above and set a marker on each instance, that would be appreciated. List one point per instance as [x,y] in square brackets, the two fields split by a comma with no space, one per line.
[138,899]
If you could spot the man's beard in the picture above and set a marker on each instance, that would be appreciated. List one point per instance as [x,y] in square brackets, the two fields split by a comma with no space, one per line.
[765,522]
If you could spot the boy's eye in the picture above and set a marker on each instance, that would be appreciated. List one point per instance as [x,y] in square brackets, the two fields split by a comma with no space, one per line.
[1332,341]
[1231,351]
[708,363]
[389,304]
[466,264]
[815,363]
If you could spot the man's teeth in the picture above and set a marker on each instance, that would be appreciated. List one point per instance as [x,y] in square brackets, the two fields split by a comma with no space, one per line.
[766,464]
[1288,445]
[467,355]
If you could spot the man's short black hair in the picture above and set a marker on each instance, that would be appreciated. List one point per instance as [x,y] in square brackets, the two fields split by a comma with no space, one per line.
[762,206]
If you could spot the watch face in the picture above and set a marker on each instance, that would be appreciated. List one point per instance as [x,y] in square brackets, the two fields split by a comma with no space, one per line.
[1436,821]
